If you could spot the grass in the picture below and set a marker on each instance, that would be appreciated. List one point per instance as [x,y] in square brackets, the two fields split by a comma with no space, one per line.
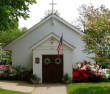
[3,91]
[89,88]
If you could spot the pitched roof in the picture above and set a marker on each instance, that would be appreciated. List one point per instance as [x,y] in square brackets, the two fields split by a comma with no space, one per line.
[54,36]
[40,23]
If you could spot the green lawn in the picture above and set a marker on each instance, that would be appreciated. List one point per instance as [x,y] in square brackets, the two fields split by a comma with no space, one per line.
[89,88]
[3,91]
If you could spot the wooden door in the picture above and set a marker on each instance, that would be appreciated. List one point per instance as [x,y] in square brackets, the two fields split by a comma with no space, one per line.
[52,68]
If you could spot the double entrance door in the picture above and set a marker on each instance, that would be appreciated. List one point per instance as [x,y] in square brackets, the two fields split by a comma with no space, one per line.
[52,68]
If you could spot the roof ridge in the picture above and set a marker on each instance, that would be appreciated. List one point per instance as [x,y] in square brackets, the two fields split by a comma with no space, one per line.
[40,23]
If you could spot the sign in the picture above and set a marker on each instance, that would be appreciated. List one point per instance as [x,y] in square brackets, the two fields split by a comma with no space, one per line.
[37,60]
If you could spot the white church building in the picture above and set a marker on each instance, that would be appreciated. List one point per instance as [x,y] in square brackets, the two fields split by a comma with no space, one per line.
[37,49]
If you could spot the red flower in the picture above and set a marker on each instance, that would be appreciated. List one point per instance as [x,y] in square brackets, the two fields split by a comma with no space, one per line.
[80,75]
[82,64]
[88,67]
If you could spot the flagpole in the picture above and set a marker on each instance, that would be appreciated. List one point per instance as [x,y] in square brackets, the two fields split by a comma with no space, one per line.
[62,44]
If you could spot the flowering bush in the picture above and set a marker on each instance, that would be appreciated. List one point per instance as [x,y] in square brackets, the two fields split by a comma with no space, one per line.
[87,72]
[3,66]
[14,73]
[106,75]
[4,71]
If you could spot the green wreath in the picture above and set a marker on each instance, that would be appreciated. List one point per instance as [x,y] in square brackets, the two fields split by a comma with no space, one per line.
[47,61]
[57,60]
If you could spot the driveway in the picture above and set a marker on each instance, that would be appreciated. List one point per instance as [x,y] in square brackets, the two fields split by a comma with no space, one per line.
[33,89]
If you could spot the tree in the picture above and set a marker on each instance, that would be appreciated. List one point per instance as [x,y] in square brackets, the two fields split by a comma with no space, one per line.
[5,56]
[7,36]
[96,23]
[11,10]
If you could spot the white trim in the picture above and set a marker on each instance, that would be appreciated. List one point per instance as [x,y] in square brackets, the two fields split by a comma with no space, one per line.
[56,37]
[40,23]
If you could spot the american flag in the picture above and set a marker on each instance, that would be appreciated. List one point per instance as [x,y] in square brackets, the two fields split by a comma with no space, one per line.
[60,45]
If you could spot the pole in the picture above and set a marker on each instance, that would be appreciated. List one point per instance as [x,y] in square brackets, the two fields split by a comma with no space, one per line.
[52,6]
[62,43]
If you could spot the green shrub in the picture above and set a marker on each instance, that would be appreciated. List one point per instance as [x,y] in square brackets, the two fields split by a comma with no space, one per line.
[66,79]
[34,78]
[4,74]
[15,73]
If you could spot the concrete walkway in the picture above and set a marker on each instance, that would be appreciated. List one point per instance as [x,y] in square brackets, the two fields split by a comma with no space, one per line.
[50,89]
[17,86]
[33,89]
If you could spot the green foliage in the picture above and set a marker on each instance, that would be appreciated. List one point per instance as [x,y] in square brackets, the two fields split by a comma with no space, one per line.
[106,79]
[15,73]
[67,79]
[89,88]
[97,32]
[102,64]
[106,75]
[34,79]
[19,73]
[7,36]
[5,56]
[3,91]
[11,10]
